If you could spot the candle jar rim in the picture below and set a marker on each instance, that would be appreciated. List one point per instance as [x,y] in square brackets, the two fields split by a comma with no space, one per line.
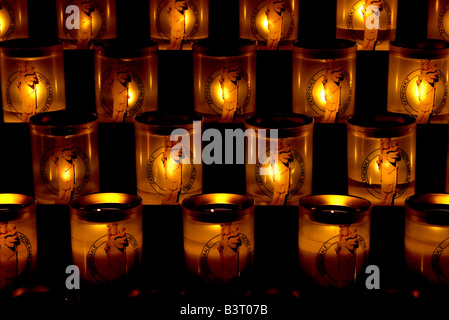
[224,48]
[244,204]
[383,125]
[23,204]
[424,208]
[116,48]
[424,49]
[62,122]
[360,207]
[164,123]
[287,124]
[30,47]
[331,49]
[87,206]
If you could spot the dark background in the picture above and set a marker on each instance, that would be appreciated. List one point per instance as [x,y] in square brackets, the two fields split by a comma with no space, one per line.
[276,280]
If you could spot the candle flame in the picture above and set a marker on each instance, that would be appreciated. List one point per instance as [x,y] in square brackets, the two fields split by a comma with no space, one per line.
[416,94]
[265,23]
[220,93]
[322,96]
[225,94]
[66,175]
[212,210]
[359,12]
[276,173]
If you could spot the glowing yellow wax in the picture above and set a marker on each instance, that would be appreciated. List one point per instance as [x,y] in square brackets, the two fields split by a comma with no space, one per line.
[318,257]
[203,258]
[89,245]
[423,243]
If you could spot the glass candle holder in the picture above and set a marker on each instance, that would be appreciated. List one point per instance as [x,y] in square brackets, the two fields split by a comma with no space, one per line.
[333,238]
[175,24]
[64,155]
[18,238]
[371,23]
[106,233]
[224,77]
[168,157]
[218,236]
[381,158]
[80,22]
[32,76]
[273,23]
[417,80]
[427,237]
[324,79]
[125,81]
[13,19]
[279,168]
[438,20]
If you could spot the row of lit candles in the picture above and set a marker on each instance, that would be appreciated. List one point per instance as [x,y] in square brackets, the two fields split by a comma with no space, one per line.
[276,149]
[175,23]
[219,243]
[224,77]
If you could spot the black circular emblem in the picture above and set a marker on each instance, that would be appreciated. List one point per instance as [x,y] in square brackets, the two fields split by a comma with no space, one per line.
[44,94]
[212,266]
[409,93]
[297,166]
[8,20]
[327,261]
[214,97]
[103,268]
[48,169]
[372,183]
[356,25]
[136,93]
[192,14]
[156,176]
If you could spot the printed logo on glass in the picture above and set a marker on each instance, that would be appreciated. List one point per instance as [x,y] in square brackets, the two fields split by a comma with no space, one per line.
[177,20]
[28,92]
[113,256]
[369,22]
[338,257]
[15,252]
[7,20]
[272,21]
[65,170]
[329,91]
[386,172]
[287,174]
[122,92]
[226,256]
[92,22]
[424,91]
[228,91]
[167,173]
